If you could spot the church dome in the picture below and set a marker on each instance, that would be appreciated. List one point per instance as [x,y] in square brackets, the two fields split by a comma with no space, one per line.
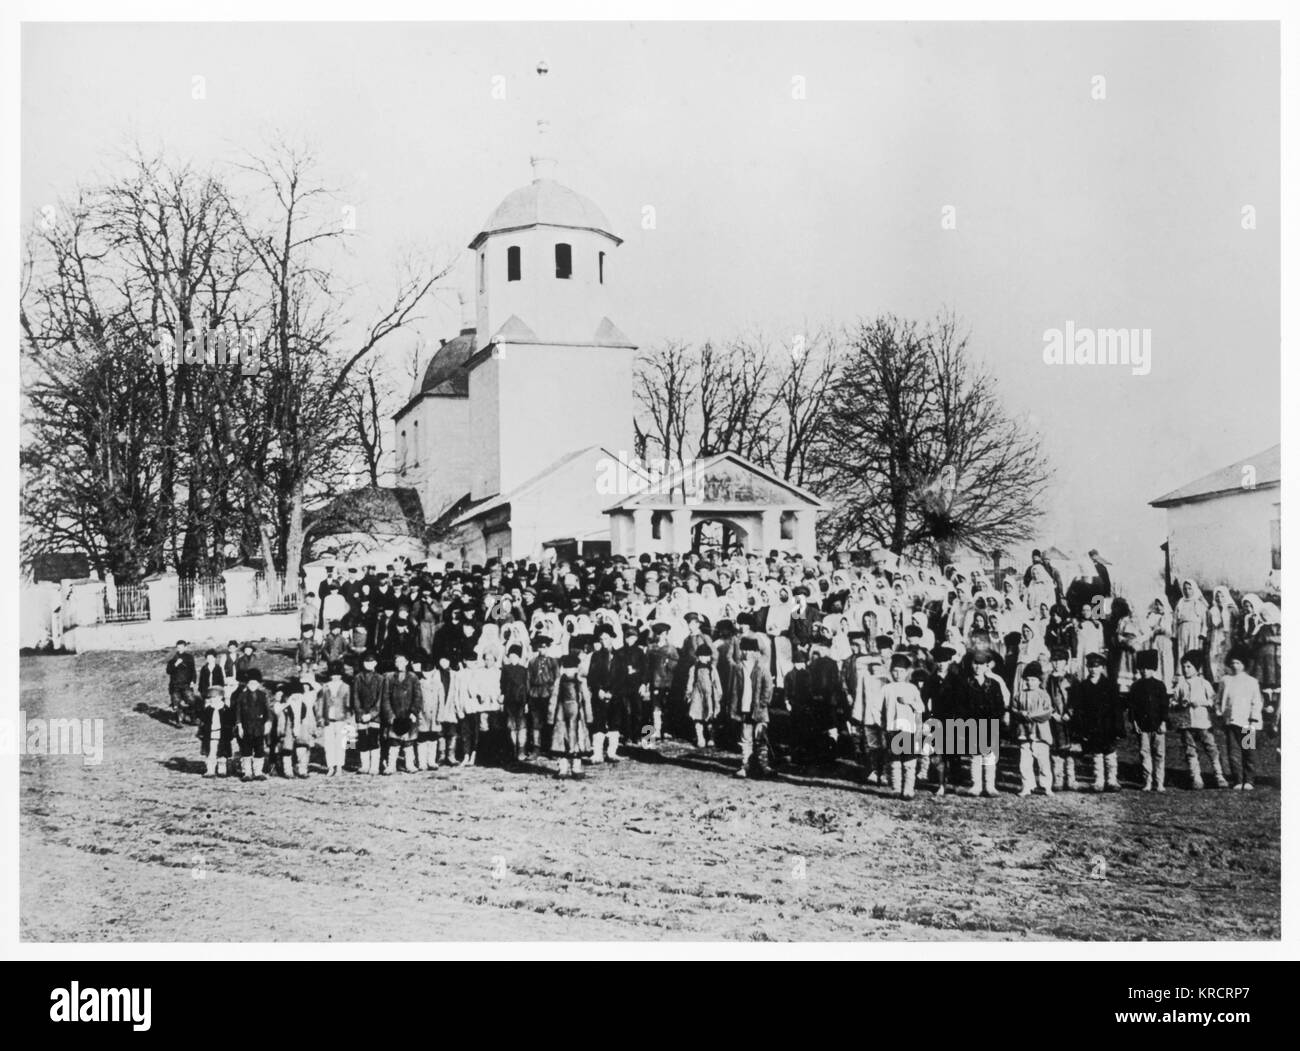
[446,372]
[544,202]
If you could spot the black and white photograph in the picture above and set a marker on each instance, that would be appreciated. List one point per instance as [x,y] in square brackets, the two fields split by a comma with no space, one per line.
[692,482]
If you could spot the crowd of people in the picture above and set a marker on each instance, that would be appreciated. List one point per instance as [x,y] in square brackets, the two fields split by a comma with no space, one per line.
[784,659]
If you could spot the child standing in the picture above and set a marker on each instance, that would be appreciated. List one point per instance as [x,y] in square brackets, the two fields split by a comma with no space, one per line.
[568,714]
[367,696]
[332,718]
[703,694]
[400,713]
[252,724]
[752,705]
[543,674]
[514,698]
[1189,713]
[902,711]
[1148,707]
[180,682]
[1060,681]
[1099,714]
[1031,718]
[216,728]
[1241,706]
[298,724]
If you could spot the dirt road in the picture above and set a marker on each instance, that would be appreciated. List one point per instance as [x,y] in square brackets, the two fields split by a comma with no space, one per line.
[141,848]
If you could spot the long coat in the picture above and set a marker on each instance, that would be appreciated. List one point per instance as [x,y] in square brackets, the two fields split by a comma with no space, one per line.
[568,714]
[703,692]
[400,706]
[1099,714]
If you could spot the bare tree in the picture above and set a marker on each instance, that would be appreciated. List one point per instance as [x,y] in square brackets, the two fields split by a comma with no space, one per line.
[918,452]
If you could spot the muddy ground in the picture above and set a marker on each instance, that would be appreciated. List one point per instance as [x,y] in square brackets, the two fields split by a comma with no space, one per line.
[142,848]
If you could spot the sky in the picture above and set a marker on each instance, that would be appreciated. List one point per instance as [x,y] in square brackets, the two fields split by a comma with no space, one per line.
[799,174]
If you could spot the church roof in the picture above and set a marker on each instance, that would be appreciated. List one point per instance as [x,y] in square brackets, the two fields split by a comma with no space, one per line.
[544,202]
[446,373]
[1267,472]
[379,510]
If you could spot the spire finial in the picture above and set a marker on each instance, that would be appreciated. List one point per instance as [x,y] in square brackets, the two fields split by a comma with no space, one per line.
[543,161]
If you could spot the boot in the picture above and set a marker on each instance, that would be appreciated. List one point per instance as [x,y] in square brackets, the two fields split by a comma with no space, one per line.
[1112,771]
[658,722]
[614,757]
[302,762]
[895,777]
[1071,784]
[699,735]
[246,768]
[597,748]
[577,767]
[909,780]
[976,786]
[563,770]
[1058,772]
[746,754]
[1099,773]
[210,760]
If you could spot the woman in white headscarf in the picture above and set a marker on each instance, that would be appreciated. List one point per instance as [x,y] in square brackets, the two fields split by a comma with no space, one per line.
[1190,620]
[780,606]
[1160,637]
[1221,617]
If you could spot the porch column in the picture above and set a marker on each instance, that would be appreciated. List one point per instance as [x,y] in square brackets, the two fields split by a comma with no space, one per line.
[805,532]
[769,533]
[681,530]
[642,536]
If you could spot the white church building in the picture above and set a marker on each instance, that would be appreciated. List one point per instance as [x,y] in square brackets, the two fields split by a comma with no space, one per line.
[519,418]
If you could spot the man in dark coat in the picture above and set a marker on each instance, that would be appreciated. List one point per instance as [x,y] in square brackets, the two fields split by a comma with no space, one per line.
[1099,717]
[985,697]
[752,710]
[364,705]
[600,684]
[252,724]
[180,682]
[399,714]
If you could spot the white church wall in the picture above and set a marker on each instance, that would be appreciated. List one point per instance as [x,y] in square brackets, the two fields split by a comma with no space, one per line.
[445,470]
[555,400]
[484,454]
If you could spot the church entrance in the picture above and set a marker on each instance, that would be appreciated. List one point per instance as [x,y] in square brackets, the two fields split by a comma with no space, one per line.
[717,538]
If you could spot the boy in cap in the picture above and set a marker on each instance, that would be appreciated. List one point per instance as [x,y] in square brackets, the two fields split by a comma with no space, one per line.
[332,703]
[1031,715]
[1099,713]
[985,697]
[252,724]
[247,658]
[180,682]
[543,674]
[1148,708]
[751,707]
[600,684]
[902,712]
[661,667]
[399,714]
[703,694]
[862,689]
[308,651]
[514,699]
[1241,706]
[1060,681]
[298,728]
[366,699]
[1189,713]
[216,729]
